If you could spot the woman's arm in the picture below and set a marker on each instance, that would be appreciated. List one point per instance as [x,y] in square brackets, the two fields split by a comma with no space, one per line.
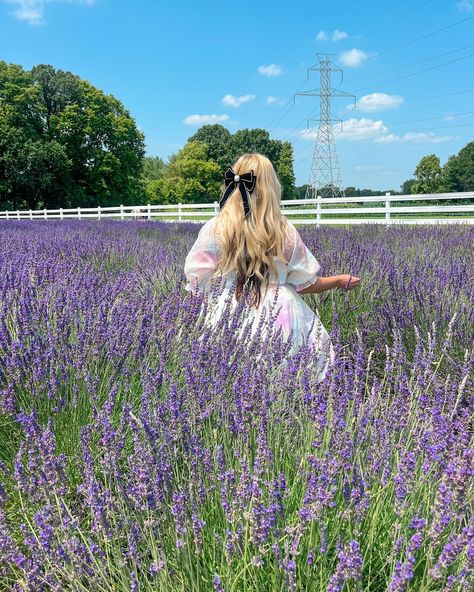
[328,283]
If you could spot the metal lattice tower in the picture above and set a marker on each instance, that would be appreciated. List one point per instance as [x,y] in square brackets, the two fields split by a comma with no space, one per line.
[325,179]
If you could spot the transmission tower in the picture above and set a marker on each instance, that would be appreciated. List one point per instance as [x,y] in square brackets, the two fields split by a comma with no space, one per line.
[325,180]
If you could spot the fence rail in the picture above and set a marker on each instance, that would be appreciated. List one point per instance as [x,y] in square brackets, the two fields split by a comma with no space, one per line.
[320,212]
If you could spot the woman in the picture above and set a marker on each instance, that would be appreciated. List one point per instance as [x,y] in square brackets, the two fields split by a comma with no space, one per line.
[258,254]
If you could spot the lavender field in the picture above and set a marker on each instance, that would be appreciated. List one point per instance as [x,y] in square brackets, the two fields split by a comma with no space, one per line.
[139,451]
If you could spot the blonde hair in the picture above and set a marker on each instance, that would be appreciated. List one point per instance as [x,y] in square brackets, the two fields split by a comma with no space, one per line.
[249,244]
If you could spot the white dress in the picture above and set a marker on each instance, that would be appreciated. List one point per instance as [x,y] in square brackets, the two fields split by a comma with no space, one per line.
[301,271]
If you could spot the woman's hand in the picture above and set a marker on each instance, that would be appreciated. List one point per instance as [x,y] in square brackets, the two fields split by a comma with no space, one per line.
[347,282]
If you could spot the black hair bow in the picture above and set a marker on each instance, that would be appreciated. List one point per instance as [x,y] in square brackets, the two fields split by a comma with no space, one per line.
[246,183]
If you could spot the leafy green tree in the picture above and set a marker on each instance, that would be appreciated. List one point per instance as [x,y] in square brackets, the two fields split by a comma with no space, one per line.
[301,191]
[219,143]
[256,140]
[224,148]
[428,175]
[458,172]
[407,187]
[153,167]
[64,142]
[285,171]
[190,177]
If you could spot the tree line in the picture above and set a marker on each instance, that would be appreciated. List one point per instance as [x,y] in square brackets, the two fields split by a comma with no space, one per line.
[194,174]
[65,143]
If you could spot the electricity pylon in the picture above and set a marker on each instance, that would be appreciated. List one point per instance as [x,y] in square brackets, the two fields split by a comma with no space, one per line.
[325,180]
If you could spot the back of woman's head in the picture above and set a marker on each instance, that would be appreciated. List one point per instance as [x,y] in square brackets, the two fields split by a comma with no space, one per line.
[249,244]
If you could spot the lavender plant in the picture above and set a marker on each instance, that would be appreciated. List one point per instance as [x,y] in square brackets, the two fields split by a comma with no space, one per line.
[141,451]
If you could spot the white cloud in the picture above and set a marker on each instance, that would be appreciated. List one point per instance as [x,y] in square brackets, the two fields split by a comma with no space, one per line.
[233,101]
[203,119]
[415,137]
[270,70]
[374,131]
[353,57]
[361,129]
[338,35]
[465,6]
[32,11]
[274,100]
[352,129]
[379,102]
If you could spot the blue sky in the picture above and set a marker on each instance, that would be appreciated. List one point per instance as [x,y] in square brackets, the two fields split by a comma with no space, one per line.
[178,65]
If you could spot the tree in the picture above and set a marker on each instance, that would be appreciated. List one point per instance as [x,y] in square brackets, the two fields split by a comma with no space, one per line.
[407,187]
[285,171]
[301,191]
[219,143]
[256,140]
[428,175]
[458,172]
[153,167]
[190,177]
[64,142]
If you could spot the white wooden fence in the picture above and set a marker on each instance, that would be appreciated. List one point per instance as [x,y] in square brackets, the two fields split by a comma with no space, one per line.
[314,211]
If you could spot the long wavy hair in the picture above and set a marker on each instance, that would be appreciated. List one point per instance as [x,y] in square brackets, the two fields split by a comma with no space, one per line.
[249,245]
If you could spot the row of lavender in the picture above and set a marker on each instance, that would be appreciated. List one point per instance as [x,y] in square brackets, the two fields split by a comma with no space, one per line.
[140,452]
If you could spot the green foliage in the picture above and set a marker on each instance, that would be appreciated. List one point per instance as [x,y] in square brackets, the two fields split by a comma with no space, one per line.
[459,170]
[353,192]
[64,143]
[153,168]
[194,174]
[189,177]
[285,171]
[256,140]
[350,192]
[407,187]
[219,142]
[428,175]
[456,175]
[224,148]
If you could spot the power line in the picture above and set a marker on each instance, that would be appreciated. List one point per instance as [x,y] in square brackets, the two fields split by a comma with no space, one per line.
[460,92]
[423,4]
[420,129]
[425,36]
[451,115]
[440,55]
[290,100]
[287,107]
[416,73]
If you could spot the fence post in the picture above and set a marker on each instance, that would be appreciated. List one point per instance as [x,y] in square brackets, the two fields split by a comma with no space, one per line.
[31,215]
[121,211]
[148,208]
[18,214]
[45,214]
[387,209]
[216,208]
[318,209]
[61,215]
[98,212]
[179,212]
[79,212]
[8,215]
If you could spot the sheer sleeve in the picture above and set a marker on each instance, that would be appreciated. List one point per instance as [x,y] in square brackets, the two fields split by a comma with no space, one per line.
[201,261]
[303,268]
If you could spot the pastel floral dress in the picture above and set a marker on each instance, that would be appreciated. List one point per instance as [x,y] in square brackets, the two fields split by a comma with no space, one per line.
[301,271]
